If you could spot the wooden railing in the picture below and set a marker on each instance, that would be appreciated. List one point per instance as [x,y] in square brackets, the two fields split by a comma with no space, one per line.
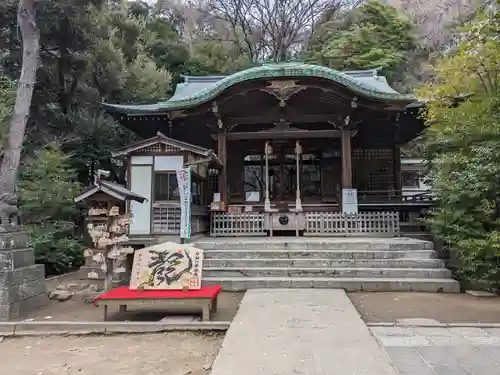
[401,197]
[237,224]
[363,223]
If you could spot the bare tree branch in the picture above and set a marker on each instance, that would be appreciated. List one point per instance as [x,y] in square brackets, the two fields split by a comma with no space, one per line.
[272,29]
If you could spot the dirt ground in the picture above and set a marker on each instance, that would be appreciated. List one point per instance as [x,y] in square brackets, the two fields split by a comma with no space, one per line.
[77,310]
[172,353]
[445,308]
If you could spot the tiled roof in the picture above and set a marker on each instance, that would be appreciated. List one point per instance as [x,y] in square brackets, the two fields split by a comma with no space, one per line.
[197,90]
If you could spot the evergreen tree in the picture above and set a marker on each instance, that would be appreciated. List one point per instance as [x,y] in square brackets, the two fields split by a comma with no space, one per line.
[47,189]
[463,114]
[374,36]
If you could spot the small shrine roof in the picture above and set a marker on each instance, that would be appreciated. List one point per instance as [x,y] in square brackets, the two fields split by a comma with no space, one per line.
[197,90]
[163,139]
[110,188]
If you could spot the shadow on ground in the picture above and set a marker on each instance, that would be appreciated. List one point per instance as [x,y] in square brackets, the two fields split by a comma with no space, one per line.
[443,307]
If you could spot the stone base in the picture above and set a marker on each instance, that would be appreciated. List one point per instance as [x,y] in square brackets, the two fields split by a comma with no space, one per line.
[12,311]
[22,283]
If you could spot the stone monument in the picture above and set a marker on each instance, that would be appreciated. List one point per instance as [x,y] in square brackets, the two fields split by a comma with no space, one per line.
[22,282]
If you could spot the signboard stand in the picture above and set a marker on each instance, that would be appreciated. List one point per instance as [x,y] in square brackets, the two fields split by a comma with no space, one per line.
[184,182]
[349,201]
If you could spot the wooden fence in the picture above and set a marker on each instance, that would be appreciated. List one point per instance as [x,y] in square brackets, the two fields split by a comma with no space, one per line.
[363,223]
[237,224]
[316,224]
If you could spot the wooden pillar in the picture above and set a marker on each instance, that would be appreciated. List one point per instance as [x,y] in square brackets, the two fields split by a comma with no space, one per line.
[222,154]
[396,156]
[346,159]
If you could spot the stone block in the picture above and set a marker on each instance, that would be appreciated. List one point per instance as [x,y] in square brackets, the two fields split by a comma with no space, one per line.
[408,361]
[23,275]
[22,283]
[130,327]
[480,293]
[31,289]
[7,329]
[87,327]
[295,245]
[23,257]
[10,294]
[6,279]
[41,328]
[13,240]
[9,311]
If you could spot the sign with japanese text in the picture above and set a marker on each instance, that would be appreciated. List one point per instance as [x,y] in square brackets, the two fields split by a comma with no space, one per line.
[184,182]
[349,201]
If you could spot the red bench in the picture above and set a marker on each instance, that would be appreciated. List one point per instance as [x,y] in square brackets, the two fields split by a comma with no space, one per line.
[205,299]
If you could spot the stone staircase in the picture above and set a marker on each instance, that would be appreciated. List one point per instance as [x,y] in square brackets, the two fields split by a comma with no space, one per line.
[353,264]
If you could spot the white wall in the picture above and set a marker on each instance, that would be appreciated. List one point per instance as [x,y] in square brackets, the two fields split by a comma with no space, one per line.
[141,183]
[134,160]
[168,163]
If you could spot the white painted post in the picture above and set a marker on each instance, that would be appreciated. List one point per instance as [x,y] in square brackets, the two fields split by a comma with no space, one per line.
[267,152]
[298,201]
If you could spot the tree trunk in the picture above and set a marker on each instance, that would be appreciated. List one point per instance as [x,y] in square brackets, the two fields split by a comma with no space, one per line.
[12,154]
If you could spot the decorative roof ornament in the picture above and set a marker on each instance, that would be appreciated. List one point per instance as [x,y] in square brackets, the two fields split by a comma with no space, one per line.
[283,89]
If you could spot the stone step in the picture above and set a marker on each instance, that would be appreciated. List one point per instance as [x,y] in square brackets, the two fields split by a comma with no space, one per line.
[319,254]
[325,263]
[415,273]
[388,244]
[348,284]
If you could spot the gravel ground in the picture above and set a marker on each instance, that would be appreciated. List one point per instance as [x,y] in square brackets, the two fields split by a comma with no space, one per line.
[77,310]
[166,354]
[443,307]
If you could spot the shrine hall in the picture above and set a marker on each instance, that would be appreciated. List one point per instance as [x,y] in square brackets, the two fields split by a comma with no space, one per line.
[279,149]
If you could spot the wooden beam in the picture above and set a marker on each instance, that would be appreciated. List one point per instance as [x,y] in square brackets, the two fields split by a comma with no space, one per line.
[292,134]
[274,117]
[346,159]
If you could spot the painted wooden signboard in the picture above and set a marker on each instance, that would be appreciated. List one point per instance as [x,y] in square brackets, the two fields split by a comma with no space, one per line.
[167,266]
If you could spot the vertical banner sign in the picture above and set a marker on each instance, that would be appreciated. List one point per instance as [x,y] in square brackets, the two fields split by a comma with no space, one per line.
[184,182]
[349,201]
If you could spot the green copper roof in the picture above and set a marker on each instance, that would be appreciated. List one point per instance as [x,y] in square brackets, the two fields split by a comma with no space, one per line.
[197,90]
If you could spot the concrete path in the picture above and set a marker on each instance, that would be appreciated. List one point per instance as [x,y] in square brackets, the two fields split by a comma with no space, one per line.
[299,332]
[442,351]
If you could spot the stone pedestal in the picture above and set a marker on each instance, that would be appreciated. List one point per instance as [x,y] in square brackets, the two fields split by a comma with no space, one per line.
[22,282]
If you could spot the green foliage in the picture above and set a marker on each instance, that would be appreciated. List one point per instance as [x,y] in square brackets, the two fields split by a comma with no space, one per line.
[375,36]
[215,57]
[463,115]
[47,189]
[7,98]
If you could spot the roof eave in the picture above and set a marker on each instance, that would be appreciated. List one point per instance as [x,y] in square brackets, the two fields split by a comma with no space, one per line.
[276,72]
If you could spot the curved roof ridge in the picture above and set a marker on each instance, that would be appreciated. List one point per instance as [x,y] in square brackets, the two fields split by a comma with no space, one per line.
[197,90]
[362,73]
[201,79]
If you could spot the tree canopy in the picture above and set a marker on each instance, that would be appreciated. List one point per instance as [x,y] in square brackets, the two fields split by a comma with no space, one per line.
[373,36]
[123,51]
[463,115]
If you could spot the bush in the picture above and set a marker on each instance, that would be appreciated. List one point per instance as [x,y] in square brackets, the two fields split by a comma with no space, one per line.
[47,189]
